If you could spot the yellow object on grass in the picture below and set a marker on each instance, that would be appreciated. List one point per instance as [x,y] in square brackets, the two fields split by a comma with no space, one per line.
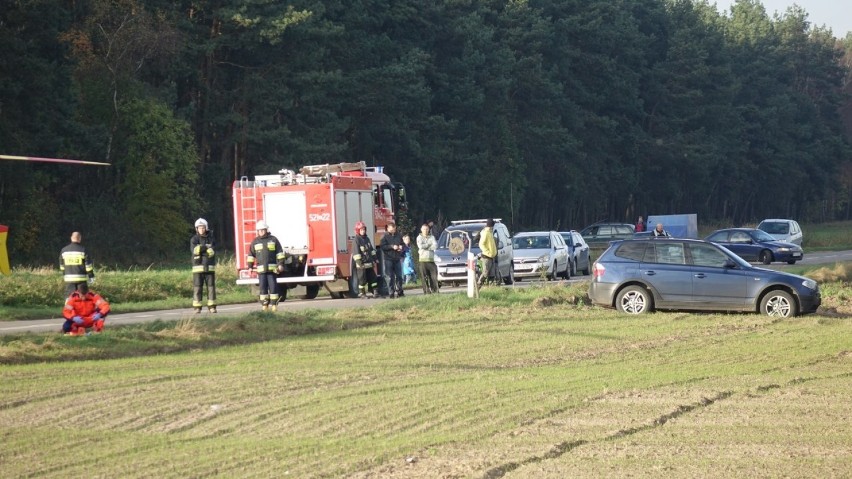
[4,257]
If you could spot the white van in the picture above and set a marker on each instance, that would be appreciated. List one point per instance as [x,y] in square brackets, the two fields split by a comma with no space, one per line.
[782,230]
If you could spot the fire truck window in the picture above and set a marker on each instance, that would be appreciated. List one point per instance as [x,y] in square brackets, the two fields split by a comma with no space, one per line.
[388,199]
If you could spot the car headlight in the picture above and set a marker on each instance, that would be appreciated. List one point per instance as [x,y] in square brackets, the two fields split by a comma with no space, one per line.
[810,284]
[545,258]
[784,250]
[438,259]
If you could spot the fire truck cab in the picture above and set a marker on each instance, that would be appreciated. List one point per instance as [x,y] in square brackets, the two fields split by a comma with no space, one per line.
[313,214]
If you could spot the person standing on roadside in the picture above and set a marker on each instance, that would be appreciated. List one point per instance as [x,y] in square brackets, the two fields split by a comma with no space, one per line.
[267,257]
[391,246]
[426,247]
[203,266]
[364,256]
[489,251]
[660,232]
[408,272]
[640,225]
[76,266]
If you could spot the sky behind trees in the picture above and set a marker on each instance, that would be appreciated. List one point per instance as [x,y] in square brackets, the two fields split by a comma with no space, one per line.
[836,14]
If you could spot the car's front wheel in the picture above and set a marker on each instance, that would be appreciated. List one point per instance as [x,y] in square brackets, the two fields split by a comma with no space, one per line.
[766,256]
[778,303]
[634,300]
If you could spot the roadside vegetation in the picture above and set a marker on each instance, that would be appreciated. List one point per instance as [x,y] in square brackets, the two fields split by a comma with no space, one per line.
[524,382]
[38,293]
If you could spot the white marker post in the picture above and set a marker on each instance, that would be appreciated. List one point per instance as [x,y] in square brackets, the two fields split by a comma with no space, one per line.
[472,290]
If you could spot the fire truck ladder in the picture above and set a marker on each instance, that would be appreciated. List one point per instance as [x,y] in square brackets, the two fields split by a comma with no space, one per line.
[328,169]
[248,213]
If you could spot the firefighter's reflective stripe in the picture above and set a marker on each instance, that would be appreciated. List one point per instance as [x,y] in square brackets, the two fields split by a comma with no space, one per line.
[265,254]
[72,258]
[200,268]
[75,264]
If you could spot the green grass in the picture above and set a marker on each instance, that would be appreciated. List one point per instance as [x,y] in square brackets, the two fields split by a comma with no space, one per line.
[527,382]
[833,236]
[39,293]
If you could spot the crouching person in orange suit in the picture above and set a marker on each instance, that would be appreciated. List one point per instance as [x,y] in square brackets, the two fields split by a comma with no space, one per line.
[83,311]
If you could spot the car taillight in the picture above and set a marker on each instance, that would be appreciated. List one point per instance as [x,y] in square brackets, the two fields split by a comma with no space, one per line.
[598,270]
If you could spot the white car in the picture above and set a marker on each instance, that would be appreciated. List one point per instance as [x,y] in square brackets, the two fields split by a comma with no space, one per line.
[782,230]
[540,254]
[579,256]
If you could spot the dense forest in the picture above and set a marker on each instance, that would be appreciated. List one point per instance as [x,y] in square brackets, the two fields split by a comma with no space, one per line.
[547,113]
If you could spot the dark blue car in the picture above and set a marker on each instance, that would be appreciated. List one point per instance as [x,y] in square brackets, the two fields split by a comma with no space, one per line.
[640,275]
[753,244]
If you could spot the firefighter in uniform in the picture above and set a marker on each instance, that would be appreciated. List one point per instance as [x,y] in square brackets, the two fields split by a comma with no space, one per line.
[203,266]
[267,257]
[364,256]
[84,310]
[76,267]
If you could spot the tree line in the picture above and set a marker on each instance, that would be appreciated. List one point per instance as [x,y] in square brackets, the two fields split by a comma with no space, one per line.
[546,113]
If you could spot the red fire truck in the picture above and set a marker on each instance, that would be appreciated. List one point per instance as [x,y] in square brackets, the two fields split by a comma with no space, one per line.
[313,214]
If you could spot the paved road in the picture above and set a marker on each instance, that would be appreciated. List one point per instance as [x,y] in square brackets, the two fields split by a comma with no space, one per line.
[822,257]
[51,325]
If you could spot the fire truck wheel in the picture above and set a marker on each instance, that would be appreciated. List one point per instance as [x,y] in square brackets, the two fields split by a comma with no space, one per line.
[311,291]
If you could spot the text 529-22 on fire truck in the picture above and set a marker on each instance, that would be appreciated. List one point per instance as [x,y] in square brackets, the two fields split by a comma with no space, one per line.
[313,214]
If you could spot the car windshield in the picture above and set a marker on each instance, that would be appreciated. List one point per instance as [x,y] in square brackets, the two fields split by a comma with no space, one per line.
[775,227]
[760,235]
[531,242]
[466,233]
[567,237]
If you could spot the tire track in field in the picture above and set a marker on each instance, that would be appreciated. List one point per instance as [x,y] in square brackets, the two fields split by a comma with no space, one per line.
[568,446]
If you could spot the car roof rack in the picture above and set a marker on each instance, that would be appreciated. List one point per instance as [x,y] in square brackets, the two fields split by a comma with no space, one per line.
[467,222]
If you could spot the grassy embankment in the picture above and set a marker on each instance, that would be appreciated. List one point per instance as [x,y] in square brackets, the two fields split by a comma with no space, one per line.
[38,293]
[527,382]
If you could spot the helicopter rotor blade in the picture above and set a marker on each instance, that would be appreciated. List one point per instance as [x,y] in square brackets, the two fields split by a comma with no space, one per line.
[52,160]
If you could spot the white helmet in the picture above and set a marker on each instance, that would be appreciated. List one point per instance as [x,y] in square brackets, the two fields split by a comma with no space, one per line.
[201,222]
[261,225]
